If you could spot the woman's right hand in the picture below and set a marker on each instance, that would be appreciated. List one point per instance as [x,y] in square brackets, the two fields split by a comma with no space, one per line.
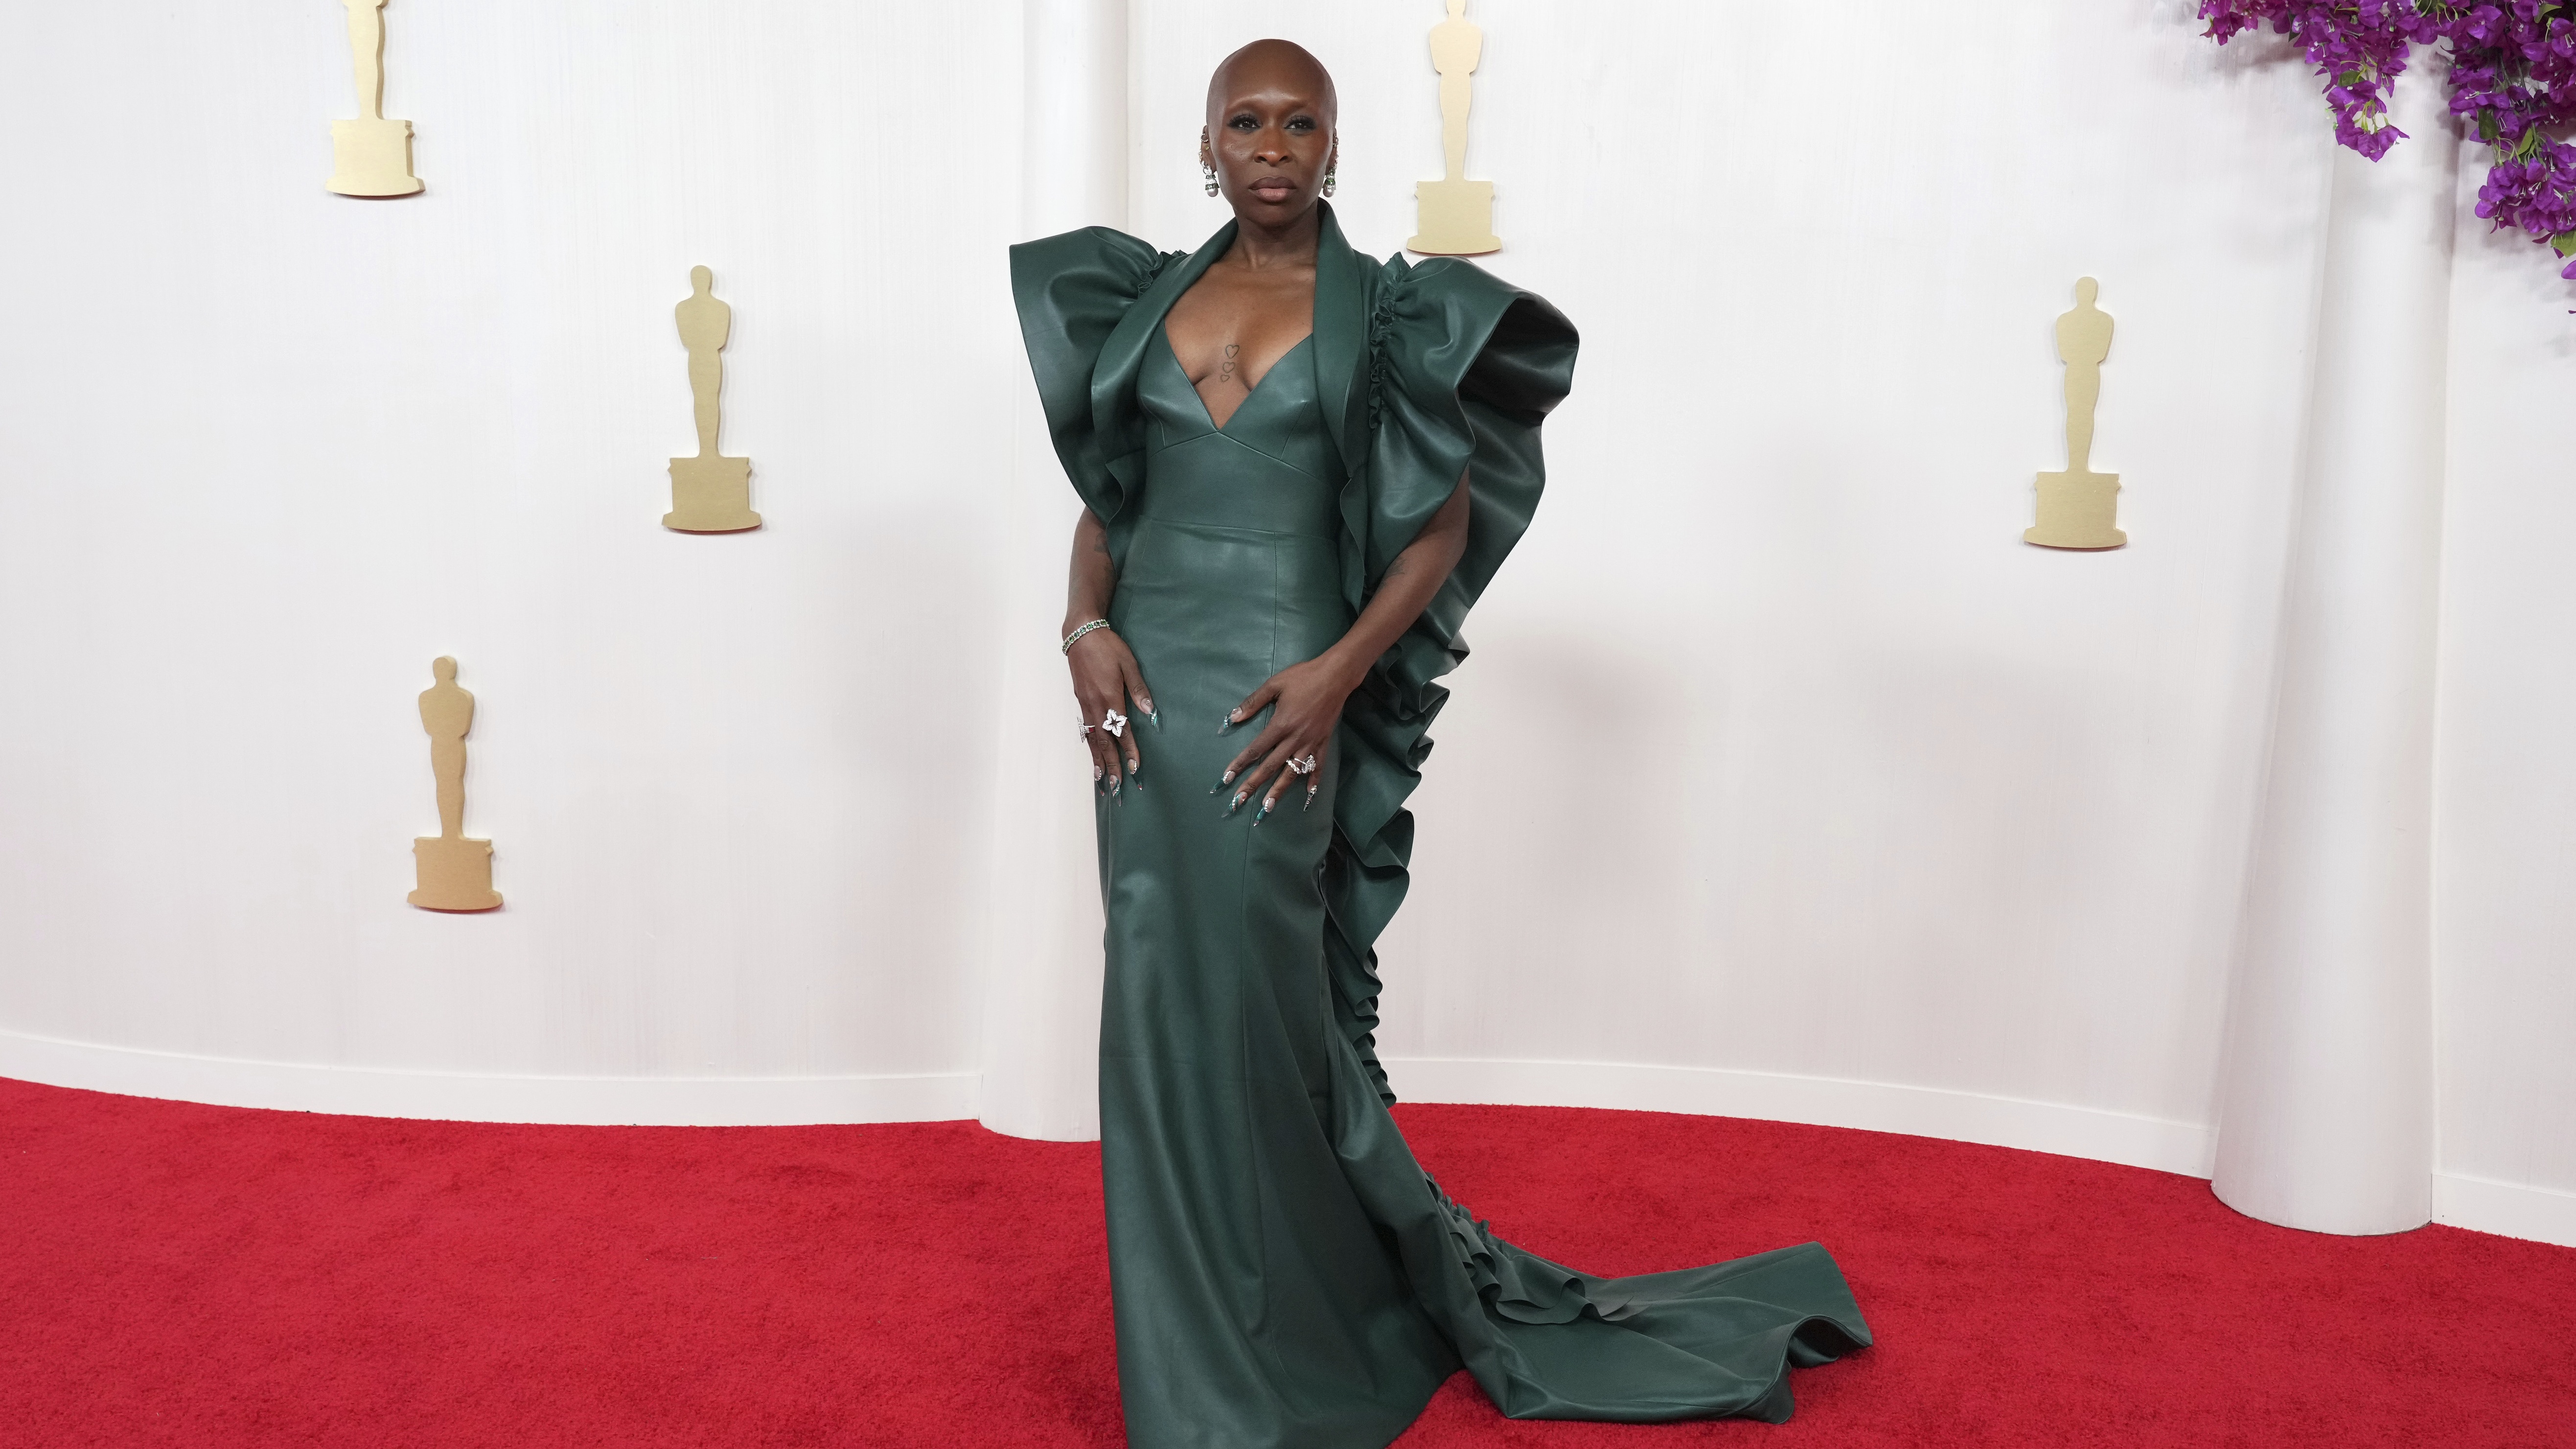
[1106,679]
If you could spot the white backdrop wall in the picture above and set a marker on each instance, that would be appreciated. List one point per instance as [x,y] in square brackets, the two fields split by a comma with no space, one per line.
[275,449]
[2504,923]
[1785,779]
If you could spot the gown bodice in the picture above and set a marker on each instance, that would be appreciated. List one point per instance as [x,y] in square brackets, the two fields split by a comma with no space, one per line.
[1271,468]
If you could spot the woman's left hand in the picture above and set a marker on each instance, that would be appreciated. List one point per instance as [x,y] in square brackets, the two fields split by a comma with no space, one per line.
[1308,697]
[1305,701]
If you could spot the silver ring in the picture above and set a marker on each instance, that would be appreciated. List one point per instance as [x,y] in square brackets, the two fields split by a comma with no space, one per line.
[1301,767]
[1086,729]
[1114,722]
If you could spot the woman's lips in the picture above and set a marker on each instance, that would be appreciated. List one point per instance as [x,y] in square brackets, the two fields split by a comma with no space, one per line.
[1272,187]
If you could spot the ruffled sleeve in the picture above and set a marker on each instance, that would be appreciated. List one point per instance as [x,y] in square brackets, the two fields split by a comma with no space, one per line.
[1462,370]
[1072,291]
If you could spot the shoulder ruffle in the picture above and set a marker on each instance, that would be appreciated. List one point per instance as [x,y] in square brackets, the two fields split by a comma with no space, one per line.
[1072,291]
[1462,369]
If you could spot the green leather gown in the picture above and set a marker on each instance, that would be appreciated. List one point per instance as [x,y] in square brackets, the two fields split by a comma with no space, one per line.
[1285,1274]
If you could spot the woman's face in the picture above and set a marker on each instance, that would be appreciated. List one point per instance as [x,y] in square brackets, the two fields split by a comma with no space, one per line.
[1270,132]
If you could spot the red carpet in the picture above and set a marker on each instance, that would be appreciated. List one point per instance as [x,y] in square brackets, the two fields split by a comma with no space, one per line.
[208,1277]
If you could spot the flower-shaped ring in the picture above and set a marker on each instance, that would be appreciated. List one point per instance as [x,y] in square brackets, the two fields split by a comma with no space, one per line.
[1114,722]
[1302,767]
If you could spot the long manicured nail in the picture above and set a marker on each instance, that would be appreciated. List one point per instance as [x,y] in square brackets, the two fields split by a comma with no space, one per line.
[1229,778]
[1264,815]
[1095,774]
[1225,724]
[1310,800]
[1135,765]
[1239,797]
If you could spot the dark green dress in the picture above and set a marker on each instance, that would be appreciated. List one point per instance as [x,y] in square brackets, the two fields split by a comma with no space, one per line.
[1285,1274]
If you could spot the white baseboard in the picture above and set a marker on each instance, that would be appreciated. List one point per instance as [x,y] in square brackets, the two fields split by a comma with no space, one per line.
[2508,1209]
[470,1097]
[2183,1147]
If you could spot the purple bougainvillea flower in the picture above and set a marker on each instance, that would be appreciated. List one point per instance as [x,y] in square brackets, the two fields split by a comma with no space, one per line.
[2512,83]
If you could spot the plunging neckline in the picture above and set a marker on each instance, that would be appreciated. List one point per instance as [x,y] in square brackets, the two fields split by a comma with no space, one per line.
[1174,353]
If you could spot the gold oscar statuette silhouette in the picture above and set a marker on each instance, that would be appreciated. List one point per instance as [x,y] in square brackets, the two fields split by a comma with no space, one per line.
[2078,508]
[370,156]
[455,874]
[709,493]
[1456,215]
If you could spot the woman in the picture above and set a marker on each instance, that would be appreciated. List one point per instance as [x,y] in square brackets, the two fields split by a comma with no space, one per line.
[1299,470]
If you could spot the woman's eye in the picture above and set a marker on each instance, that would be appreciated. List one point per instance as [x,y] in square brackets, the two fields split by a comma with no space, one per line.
[1300,123]
[1244,123]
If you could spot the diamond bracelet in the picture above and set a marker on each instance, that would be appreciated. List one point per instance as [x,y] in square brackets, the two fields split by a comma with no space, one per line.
[1082,630]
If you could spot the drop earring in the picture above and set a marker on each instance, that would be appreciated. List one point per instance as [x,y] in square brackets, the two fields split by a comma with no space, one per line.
[1210,172]
[1331,174]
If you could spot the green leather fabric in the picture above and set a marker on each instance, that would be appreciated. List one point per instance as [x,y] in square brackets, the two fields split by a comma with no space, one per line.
[1285,1274]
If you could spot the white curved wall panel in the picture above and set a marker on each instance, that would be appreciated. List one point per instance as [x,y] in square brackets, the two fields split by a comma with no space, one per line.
[2327,1095]
[1042,958]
